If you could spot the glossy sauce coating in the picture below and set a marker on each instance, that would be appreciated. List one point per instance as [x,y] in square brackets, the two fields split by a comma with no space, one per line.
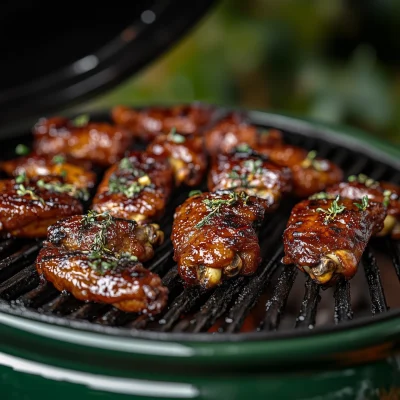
[225,246]
[186,155]
[35,165]
[22,215]
[228,133]
[330,249]
[149,122]
[252,173]
[100,143]
[147,205]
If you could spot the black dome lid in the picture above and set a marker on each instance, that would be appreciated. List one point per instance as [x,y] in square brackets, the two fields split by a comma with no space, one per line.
[56,57]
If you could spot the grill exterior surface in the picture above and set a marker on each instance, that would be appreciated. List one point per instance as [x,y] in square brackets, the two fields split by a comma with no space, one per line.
[274,321]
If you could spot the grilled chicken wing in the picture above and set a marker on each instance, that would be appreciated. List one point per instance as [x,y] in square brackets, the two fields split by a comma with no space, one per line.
[326,237]
[185,154]
[95,257]
[137,188]
[28,207]
[382,192]
[229,133]
[310,173]
[148,122]
[214,237]
[34,165]
[100,143]
[250,172]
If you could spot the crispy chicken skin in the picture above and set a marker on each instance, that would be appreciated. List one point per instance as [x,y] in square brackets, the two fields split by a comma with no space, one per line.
[326,245]
[361,186]
[149,122]
[310,173]
[228,133]
[185,154]
[252,173]
[214,237]
[98,142]
[26,210]
[34,165]
[137,188]
[95,257]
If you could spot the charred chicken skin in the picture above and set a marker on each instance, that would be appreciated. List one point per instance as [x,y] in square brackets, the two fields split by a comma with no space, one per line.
[185,154]
[310,173]
[214,237]
[100,143]
[137,188]
[34,165]
[146,124]
[230,132]
[29,207]
[97,258]
[326,237]
[382,192]
[250,172]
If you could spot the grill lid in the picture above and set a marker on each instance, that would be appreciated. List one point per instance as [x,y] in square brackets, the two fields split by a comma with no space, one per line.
[81,51]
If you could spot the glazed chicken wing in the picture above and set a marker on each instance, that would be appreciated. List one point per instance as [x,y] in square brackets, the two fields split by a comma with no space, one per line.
[185,154]
[28,207]
[137,188]
[229,133]
[34,165]
[100,143]
[96,258]
[326,237]
[214,237]
[250,172]
[149,122]
[382,192]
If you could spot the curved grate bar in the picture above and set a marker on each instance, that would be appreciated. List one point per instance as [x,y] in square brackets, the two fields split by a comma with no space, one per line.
[343,311]
[309,305]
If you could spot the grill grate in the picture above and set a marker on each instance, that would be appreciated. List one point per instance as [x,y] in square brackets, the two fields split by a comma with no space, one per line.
[276,300]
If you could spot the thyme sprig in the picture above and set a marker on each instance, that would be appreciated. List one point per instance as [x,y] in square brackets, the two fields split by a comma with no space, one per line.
[320,196]
[386,197]
[194,193]
[243,148]
[254,168]
[311,162]
[215,205]
[364,179]
[59,187]
[127,165]
[58,159]
[101,263]
[175,137]
[364,203]
[23,189]
[334,209]
[120,184]
[80,120]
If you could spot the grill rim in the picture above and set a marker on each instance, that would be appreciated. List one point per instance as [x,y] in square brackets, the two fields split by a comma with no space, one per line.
[335,135]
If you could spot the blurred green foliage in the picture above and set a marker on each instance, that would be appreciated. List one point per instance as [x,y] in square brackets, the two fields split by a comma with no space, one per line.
[313,58]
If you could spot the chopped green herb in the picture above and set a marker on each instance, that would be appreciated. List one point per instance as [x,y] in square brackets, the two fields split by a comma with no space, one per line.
[103,221]
[363,205]
[102,263]
[333,210]
[22,150]
[320,196]
[119,184]
[364,179]
[214,206]
[63,173]
[81,120]
[176,137]
[21,178]
[254,166]
[126,164]
[58,159]
[243,148]
[194,193]
[22,191]
[386,197]
[311,162]
[58,187]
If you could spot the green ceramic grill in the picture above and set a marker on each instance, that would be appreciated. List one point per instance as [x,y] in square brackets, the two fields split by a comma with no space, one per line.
[275,335]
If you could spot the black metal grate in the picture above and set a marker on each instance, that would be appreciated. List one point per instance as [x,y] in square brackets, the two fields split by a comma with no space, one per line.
[275,301]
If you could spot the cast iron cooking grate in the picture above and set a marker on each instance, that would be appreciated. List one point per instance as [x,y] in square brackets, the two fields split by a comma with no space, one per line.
[276,301]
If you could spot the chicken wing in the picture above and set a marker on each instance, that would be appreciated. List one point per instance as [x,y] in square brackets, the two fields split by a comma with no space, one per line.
[96,258]
[252,173]
[185,154]
[28,207]
[100,143]
[148,122]
[326,237]
[214,237]
[137,188]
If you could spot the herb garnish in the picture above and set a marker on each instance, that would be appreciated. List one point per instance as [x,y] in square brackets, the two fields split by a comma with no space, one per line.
[243,148]
[102,263]
[119,184]
[386,197]
[364,179]
[58,187]
[214,206]
[333,210]
[320,196]
[22,150]
[80,120]
[58,159]
[310,161]
[127,164]
[175,137]
[23,190]
[363,205]
[254,167]
[194,193]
